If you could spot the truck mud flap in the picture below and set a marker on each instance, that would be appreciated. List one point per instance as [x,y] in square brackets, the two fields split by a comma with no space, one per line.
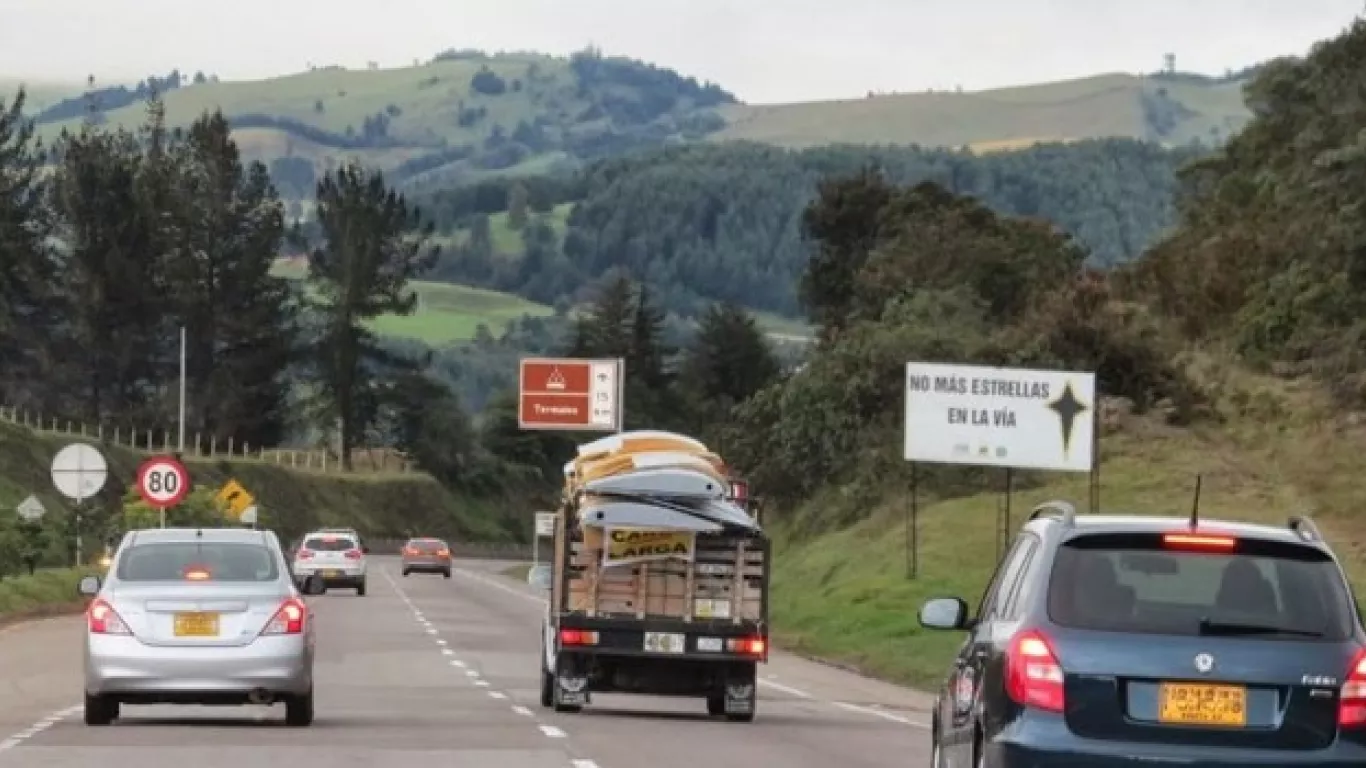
[740,694]
[570,692]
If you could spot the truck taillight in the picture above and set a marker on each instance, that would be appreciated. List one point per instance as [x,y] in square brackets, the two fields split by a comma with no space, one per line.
[751,646]
[578,637]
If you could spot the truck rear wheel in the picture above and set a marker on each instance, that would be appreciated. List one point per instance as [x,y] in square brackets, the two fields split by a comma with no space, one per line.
[716,704]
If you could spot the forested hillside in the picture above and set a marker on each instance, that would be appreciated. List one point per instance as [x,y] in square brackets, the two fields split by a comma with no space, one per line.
[467,115]
[722,223]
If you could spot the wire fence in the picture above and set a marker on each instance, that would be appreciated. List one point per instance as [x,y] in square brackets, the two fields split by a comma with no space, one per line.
[197,446]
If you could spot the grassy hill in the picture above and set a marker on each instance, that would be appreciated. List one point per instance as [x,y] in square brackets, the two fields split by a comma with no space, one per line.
[459,117]
[1282,450]
[468,116]
[293,501]
[1173,110]
[41,93]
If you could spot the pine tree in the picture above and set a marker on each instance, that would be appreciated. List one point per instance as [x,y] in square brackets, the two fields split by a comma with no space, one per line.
[373,244]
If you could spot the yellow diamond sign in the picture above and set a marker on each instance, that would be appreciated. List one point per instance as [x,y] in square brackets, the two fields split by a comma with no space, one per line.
[234,498]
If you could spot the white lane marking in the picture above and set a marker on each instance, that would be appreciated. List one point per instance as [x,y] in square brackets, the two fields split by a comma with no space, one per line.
[439,641]
[497,695]
[38,727]
[482,683]
[523,711]
[885,715]
[552,731]
[447,652]
[583,764]
[457,663]
[431,630]
[785,689]
[471,673]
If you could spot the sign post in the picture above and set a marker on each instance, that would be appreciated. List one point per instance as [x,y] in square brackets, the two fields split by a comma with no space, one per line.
[570,394]
[545,529]
[79,471]
[163,482]
[1012,418]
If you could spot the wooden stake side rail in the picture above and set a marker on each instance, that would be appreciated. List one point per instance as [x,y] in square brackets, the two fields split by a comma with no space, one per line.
[724,581]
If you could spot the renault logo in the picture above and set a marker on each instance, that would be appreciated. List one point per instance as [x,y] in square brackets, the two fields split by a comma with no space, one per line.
[1204,663]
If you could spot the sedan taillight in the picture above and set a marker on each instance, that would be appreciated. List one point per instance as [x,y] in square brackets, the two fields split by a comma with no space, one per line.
[305,554]
[289,620]
[103,620]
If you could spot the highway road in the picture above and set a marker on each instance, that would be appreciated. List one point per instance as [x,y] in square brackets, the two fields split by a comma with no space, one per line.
[425,670]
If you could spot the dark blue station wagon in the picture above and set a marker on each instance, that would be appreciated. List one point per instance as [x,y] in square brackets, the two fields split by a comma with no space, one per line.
[1107,641]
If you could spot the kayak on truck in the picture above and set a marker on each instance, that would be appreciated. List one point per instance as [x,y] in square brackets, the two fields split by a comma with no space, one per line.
[659,578]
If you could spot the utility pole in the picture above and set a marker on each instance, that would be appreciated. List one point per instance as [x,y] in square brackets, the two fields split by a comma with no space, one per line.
[180,439]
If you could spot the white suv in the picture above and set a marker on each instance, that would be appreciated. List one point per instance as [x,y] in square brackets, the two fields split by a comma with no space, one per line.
[339,559]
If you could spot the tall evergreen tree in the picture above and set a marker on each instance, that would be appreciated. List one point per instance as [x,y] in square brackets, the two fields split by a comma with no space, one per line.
[26,286]
[373,244]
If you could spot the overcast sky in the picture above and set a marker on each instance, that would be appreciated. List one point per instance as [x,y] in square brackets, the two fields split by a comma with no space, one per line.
[762,50]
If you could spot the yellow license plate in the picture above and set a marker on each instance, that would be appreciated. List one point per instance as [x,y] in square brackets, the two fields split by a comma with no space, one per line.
[196,625]
[331,574]
[1197,704]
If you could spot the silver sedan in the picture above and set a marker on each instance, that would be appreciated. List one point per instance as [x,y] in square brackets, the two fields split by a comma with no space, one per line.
[198,616]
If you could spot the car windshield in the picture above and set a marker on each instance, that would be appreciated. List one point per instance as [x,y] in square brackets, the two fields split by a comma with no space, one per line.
[1261,589]
[206,561]
[329,543]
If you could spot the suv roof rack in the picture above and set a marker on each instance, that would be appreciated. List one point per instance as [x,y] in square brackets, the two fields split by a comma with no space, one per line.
[1062,511]
[1304,526]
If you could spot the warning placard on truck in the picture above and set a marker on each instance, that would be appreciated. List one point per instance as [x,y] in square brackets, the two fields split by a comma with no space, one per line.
[633,545]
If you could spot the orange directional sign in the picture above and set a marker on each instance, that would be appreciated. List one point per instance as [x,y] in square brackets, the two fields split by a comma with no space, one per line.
[570,394]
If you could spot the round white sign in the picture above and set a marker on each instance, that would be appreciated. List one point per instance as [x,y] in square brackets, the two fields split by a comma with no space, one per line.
[79,471]
[163,483]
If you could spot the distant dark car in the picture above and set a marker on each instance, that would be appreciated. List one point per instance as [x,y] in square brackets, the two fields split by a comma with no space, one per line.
[426,555]
[1108,641]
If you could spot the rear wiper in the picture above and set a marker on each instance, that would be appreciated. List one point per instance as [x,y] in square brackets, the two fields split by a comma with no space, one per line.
[1208,627]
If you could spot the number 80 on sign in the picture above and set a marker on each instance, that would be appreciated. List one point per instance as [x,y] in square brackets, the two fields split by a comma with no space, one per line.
[163,482]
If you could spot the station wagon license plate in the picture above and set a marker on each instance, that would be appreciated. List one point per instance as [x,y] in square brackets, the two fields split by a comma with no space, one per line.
[1202,704]
[196,625]
[664,642]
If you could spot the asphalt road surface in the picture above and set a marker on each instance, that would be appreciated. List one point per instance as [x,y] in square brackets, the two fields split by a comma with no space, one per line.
[425,670]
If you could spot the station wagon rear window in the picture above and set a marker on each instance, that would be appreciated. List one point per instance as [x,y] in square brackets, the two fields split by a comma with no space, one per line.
[1250,588]
[214,561]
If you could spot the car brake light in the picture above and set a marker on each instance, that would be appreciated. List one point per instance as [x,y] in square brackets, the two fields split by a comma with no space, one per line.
[443,553]
[103,620]
[578,637]
[1034,678]
[353,554]
[196,573]
[289,620]
[410,551]
[753,646]
[1352,702]
[1198,542]
[305,554]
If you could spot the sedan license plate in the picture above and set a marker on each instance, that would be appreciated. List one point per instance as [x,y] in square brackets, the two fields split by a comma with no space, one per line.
[196,625]
[664,642]
[1200,704]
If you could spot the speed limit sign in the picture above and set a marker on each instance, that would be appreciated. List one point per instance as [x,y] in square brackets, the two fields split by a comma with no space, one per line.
[163,482]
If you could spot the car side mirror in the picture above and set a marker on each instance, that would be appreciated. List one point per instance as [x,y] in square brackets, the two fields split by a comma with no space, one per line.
[944,613]
[313,585]
[539,576]
[89,586]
